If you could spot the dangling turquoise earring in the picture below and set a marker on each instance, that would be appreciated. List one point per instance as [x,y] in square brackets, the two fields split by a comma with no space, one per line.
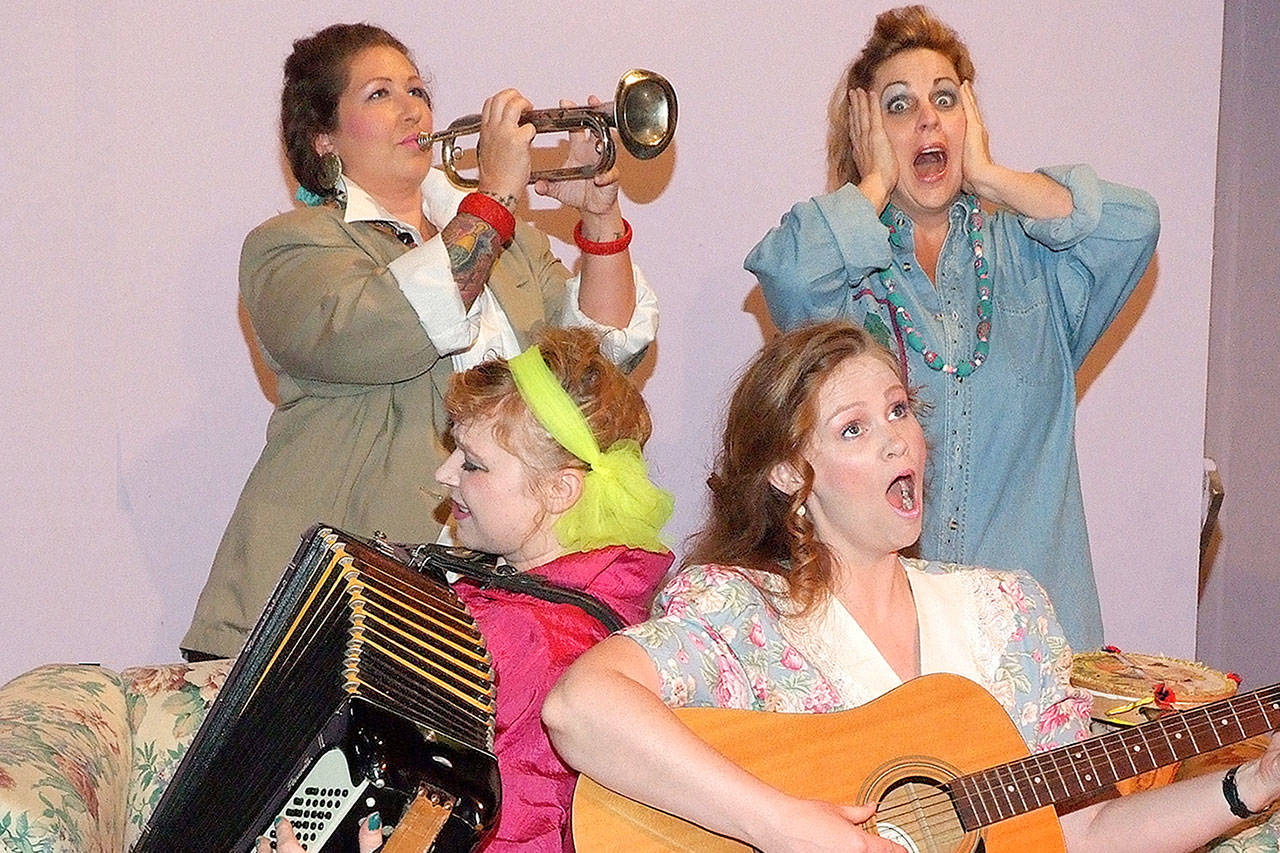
[307,197]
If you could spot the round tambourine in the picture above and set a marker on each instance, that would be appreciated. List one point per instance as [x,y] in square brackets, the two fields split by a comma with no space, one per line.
[1129,688]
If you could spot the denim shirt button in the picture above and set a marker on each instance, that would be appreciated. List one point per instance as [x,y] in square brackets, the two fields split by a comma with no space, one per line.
[953,524]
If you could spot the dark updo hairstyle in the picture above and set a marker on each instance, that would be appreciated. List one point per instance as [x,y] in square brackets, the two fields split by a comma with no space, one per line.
[315,76]
[904,28]
[772,415]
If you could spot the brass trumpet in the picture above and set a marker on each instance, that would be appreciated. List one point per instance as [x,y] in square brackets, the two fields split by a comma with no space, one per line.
[643,110]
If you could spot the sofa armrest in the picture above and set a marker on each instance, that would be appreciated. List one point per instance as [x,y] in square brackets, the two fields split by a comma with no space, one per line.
[65,755]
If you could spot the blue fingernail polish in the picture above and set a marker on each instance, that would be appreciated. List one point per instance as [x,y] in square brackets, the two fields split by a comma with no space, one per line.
[276,822]
[375,821]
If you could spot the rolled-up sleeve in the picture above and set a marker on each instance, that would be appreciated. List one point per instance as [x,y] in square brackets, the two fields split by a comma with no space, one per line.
[1097,253]
[618,345]
[806,264]
[426,279]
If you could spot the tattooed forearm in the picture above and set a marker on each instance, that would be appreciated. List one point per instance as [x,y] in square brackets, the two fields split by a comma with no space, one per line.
[473,249]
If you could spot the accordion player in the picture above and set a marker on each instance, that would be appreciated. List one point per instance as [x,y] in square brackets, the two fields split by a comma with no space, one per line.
[364,686]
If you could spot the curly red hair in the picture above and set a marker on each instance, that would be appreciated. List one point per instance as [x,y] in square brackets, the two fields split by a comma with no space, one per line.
[611,403]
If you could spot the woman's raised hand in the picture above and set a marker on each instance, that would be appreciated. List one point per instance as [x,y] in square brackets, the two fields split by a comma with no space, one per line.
[369,839]
[597,195]
[872,153]
[1030,194]
[503,148]
[977,168]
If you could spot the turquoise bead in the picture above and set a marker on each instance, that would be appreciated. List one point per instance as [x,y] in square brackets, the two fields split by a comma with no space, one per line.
[931,358]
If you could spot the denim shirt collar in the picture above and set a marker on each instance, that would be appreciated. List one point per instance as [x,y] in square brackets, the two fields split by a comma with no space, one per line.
[902,228]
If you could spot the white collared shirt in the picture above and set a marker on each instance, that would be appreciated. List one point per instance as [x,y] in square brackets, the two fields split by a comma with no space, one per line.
[472,336]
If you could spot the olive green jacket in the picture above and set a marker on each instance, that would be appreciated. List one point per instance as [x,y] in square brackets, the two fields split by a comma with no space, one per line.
[354,440]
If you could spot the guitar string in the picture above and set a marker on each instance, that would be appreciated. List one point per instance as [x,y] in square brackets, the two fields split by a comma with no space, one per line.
[990,791]
[1143,753]
[938,806]
[931,814]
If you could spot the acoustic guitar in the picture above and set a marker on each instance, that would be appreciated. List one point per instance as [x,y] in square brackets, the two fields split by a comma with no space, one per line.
[939,755]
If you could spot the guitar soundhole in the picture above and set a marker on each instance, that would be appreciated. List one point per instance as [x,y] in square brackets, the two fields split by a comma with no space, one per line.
[916,812]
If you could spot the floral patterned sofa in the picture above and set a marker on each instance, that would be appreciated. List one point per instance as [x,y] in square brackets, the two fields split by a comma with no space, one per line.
[85,752]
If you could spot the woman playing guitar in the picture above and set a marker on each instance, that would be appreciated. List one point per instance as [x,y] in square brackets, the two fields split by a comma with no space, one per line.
[795,598]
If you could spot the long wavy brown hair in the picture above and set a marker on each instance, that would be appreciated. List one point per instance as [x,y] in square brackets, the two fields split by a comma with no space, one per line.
[896,30]
[771,415]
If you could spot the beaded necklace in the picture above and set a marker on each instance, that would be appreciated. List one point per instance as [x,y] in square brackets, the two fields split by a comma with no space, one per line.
[931,358]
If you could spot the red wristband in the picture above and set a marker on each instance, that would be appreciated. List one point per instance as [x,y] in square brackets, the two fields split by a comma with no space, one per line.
[492,212]
[611,247]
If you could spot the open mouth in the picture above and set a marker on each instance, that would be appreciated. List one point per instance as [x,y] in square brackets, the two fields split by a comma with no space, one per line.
[459,511]
[930,163]
[901,493]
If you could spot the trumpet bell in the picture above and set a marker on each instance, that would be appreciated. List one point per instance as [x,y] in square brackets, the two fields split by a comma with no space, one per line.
[645,113]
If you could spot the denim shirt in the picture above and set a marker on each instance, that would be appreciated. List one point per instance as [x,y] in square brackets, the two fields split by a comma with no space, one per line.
[1002,485]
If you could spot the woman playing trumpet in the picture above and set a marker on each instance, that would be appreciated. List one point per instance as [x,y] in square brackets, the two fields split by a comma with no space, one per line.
[365,300]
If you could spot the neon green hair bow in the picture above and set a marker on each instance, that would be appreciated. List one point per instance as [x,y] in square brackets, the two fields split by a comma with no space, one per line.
[619,505]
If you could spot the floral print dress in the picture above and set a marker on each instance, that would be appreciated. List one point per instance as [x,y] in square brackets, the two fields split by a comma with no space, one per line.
[716,640]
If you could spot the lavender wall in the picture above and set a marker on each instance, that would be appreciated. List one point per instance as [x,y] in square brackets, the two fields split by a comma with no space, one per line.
[140,147]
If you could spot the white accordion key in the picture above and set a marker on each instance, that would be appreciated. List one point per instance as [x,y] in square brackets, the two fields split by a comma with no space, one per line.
[321,801]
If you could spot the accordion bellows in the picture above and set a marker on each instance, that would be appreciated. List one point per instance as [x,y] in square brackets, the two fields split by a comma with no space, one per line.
[365,686]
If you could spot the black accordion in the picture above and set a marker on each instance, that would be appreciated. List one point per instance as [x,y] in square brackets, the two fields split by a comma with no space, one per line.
[365,686]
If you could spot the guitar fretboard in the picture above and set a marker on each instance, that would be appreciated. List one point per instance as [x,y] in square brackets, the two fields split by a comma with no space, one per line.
[1008,790]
